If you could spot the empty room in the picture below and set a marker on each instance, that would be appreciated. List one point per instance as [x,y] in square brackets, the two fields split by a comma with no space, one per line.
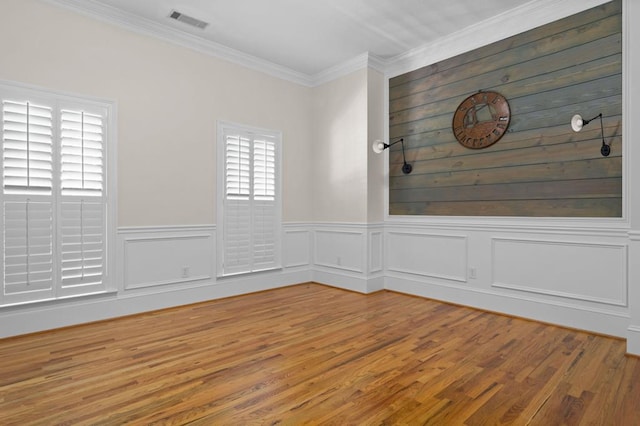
[319,212]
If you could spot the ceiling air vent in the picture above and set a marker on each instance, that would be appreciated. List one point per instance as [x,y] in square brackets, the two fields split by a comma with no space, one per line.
[189,20]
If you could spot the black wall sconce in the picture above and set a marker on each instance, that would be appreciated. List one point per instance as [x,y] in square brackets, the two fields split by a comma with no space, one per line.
[379,146]
[577,123]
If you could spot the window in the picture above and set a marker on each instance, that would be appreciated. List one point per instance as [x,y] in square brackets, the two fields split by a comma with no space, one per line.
[55,209]
[249,201]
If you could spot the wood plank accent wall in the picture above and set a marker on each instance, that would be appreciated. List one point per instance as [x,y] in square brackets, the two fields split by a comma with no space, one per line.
[540,167]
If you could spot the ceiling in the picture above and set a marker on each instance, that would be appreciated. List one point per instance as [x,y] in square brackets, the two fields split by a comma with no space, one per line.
[309,36]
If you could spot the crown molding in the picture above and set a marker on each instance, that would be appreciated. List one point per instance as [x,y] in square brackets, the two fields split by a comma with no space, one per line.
[365,60]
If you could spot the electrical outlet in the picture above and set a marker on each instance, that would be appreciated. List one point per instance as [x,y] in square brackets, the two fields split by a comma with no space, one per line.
[472,273]
[185,272]
[339,261]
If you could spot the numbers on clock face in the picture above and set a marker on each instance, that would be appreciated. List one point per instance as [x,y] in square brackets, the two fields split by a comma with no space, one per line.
[481,120]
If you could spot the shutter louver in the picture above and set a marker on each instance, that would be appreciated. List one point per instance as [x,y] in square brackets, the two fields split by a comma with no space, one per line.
[82,244]
[237,166]
[81,157]
[82,221]
[264,207]
[264,169]
[237,235]
[28,249]
[264,235]
[27,148]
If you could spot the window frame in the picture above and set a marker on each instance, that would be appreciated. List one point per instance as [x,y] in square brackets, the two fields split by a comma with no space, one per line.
[224,128]
[58,101]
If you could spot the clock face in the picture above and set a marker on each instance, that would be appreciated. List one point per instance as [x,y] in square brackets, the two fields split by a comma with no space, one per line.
[481,119]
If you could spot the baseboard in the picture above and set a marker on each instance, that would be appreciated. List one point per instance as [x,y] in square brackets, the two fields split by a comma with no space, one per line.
[601,321]
[64,313]
[633,340]
[359,284]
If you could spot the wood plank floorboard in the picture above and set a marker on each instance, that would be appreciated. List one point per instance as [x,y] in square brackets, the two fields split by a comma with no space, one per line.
[311,354]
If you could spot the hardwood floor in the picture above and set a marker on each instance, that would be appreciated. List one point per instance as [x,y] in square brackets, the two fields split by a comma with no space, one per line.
[311,354]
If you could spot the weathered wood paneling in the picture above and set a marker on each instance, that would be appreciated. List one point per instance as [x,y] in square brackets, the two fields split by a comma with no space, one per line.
[540,167]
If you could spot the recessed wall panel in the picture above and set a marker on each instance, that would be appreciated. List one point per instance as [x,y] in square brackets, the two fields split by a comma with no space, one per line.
[375,251]
[297,248]
[165,258]
[340,249]
[586,271]
[433,255]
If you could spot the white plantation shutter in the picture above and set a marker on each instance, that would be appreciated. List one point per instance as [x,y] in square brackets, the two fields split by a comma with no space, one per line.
[237,236]
[82,220]
[265,226]
[54,196]
[81,156]
[27,208]
[82,245]
[250,203]
[27,156]
[28,250]
[238,166]
[237,229]
[264,169]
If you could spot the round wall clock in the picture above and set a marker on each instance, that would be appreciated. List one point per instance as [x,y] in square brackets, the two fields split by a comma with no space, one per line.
[481,119]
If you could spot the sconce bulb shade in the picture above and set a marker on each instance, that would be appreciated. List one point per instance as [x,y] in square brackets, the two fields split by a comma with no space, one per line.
[605,150]
[378,146]
[577,123]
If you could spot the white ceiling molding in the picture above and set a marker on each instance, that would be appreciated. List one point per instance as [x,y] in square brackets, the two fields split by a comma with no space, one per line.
[500,27]
[365,60]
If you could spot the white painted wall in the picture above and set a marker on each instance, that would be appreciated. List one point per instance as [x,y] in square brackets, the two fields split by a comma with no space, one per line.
[168,99]
[339,182]
[348,115]
[376,122]
[631,81]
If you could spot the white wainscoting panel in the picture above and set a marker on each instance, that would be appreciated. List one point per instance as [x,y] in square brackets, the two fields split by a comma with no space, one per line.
[349,256]
[167,256]
[376,251]
[296,247]
[593,272]
[428,254]
[340,249]
[633,331]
